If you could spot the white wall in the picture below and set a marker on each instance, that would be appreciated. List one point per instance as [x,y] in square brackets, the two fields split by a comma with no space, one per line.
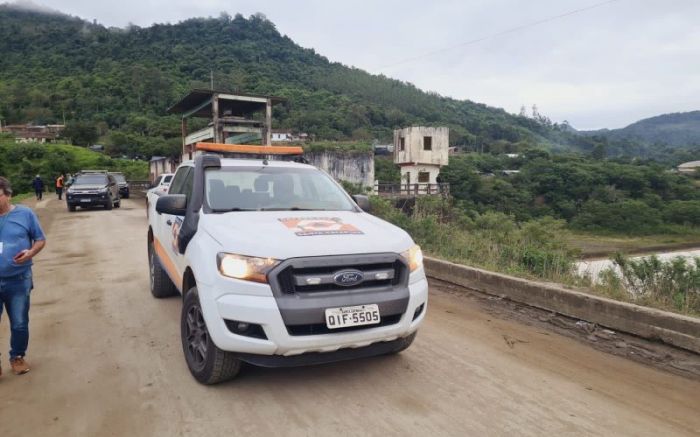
[413,145]
[413,171]
[354,167]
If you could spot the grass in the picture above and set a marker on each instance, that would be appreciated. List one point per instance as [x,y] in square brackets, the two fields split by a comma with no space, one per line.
[605,245]
[338,146]
[540,250]
[21,197]
[493,241]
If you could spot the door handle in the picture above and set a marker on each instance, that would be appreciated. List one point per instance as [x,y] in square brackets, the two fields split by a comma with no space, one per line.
[169,222]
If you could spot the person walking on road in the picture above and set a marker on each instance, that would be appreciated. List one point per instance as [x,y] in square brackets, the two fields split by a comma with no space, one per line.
[38,185]
[59,186]
[21,239]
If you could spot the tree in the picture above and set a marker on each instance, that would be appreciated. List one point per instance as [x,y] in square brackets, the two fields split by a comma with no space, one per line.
[81,133]
[599,153]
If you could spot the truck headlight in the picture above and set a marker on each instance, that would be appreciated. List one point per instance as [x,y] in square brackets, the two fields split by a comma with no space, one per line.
[414,257]
[248,268]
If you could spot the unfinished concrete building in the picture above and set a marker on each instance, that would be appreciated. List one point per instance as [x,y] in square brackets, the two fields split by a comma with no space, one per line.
[420,152]
[233,118]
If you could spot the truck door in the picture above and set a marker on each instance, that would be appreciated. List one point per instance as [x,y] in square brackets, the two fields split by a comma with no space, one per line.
[169,228]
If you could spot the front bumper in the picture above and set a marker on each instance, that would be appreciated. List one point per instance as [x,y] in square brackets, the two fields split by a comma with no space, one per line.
[313,358]
[87,200]
[261,308]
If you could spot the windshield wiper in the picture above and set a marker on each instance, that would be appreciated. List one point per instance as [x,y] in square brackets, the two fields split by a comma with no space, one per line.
[230,209]
[293,208]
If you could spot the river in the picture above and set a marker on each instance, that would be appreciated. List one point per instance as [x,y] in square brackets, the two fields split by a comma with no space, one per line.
[594,267]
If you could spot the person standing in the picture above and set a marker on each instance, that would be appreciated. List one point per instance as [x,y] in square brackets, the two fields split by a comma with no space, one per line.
[59,186]
[21,239]
[38,185]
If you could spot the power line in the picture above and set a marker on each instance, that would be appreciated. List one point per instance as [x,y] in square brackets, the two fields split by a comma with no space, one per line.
[504,32]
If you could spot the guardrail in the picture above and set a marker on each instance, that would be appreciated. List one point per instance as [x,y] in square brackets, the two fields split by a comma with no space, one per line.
[143,185]
[675,329]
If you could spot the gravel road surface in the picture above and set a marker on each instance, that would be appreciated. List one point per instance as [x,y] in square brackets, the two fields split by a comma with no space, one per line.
[106,361]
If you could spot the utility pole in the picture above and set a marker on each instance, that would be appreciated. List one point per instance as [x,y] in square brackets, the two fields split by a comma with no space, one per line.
[211,79]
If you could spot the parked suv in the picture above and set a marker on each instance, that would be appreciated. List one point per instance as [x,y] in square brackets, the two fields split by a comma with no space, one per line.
[123,184]
[278,266]
[91,189]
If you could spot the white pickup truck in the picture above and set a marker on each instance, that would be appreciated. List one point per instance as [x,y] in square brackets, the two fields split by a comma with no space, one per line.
[278,266]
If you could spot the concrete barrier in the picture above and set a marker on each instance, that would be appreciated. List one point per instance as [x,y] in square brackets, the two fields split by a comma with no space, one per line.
[675,329]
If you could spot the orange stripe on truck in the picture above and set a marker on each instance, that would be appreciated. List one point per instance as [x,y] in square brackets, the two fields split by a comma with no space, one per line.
[168,264]
[253,150]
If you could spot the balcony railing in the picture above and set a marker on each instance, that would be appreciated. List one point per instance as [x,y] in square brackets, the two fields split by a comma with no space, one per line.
[417,189]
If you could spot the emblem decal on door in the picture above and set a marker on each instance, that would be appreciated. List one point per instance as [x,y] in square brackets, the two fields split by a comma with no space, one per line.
[175,229]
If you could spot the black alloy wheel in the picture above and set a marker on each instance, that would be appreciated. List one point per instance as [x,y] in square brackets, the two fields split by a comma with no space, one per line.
[207,363]
[196,337]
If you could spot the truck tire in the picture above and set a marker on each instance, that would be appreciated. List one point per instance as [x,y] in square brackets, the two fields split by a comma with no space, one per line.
[71,208]
[161,285]
[207,363]
[109,205]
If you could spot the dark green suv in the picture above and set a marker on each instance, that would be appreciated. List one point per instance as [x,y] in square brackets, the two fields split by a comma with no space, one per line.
[123,184]
[93,189]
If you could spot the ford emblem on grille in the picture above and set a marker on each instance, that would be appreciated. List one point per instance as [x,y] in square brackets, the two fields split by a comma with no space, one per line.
[348,278]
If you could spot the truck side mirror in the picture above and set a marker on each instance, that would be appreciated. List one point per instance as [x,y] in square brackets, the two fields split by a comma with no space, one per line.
[362,201]
[174,204]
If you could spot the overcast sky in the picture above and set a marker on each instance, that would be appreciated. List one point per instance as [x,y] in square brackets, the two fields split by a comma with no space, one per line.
[602,67]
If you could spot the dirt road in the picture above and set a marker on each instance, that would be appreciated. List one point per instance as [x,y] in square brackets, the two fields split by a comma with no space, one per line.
[107,361]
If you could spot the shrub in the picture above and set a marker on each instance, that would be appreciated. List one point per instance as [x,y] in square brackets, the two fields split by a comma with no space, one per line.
[627,216]
[674,283]
[492,240]
[683,212]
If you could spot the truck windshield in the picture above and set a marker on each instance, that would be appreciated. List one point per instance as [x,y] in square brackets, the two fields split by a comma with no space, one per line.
[91,179]
[273,189]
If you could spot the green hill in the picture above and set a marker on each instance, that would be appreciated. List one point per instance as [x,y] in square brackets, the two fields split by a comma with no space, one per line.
[21,162]
[118,83]
[677,130]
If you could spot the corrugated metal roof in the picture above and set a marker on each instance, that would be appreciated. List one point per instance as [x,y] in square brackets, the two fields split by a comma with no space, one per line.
[236,103]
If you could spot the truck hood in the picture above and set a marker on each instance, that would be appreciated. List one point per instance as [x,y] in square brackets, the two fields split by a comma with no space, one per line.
[292,234]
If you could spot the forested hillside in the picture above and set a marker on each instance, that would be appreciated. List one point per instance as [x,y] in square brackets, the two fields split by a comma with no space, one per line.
[115,84]
[677,130]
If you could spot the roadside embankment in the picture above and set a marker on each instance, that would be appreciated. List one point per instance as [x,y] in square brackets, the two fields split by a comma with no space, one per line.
[674,329]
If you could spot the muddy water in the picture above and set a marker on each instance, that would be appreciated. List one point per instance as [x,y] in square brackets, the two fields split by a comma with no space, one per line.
[593,268]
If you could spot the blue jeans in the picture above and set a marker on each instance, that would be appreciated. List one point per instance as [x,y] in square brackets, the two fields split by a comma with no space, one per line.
[14,295]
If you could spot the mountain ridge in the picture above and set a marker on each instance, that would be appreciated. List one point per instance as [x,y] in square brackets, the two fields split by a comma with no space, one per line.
[120,81]
[678,129]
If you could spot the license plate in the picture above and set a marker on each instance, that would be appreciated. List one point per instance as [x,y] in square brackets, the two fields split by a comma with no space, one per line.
[85,200]
[352,316]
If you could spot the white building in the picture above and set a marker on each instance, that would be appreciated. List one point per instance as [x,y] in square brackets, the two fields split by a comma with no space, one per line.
[281,136]
[689,167]
[287,136]
[420,152]
[159,165]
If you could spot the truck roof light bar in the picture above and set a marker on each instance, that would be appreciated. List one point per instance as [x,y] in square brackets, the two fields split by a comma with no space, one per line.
[250,150]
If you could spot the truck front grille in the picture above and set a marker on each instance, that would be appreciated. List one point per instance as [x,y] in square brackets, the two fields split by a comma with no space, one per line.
[321,278]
